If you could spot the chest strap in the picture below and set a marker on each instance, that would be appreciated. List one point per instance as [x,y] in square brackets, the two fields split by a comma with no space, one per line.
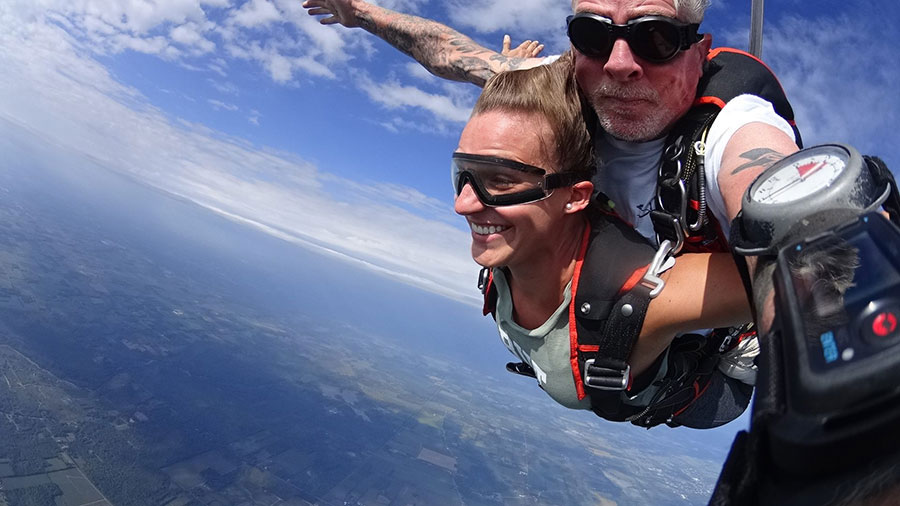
[614,281]
[610,294]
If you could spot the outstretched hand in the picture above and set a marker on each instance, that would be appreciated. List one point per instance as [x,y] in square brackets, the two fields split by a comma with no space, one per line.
[527,49]
[335,11]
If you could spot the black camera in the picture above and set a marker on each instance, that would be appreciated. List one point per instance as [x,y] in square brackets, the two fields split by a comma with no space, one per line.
[825,422]
[827,408]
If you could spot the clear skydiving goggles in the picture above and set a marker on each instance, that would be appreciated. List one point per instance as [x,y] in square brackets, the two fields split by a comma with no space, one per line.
[501,182]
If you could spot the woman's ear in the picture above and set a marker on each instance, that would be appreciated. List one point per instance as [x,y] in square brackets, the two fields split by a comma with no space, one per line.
[580,196]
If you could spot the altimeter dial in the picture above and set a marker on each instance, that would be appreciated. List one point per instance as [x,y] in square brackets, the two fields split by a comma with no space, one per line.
[802,178]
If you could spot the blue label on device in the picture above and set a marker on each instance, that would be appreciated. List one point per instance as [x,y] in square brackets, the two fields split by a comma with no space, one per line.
[829,347]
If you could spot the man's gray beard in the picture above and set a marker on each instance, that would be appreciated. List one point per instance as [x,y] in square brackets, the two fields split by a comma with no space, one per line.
[646,128]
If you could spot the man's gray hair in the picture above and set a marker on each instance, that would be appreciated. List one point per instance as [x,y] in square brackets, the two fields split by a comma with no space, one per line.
[691,11]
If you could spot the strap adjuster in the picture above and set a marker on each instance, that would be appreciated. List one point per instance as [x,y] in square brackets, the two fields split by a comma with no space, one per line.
[606,377]
[669,227]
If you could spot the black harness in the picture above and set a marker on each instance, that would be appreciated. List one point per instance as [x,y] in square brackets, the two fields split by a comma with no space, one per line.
[611,292]
[681,212]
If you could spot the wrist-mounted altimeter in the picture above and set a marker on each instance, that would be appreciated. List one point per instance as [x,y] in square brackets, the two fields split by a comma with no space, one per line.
[828,401]
[809,191]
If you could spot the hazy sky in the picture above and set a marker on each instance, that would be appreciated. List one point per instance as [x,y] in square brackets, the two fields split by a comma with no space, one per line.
[327,137]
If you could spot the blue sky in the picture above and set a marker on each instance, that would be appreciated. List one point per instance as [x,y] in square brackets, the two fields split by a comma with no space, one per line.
[327,137]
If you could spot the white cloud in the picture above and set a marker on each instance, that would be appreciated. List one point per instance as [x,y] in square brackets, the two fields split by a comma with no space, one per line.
[208,35]
[256,14]
[219,105]
[52,93]
[522,19]
[224,87]
[149,45]
[397,96]
[841,78]
[190,35]
[419,72]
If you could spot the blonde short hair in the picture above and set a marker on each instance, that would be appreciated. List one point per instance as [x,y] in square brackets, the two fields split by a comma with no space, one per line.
[550,92]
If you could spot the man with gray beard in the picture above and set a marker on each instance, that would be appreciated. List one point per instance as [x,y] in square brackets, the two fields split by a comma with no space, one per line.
[639,63]
[637,98]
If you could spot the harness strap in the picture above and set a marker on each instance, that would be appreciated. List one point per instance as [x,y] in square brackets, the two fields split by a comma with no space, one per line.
[692,360]
[607,312]
[884,176]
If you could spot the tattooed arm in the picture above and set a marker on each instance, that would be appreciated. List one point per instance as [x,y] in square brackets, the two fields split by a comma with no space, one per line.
[443,51]
[753,149]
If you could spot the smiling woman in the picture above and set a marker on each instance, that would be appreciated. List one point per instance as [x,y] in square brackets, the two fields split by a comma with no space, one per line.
[522,180]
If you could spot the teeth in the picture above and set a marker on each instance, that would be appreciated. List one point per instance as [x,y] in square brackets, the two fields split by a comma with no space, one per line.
[491,229]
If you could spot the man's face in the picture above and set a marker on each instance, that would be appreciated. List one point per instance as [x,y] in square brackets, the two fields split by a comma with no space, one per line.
[636,100]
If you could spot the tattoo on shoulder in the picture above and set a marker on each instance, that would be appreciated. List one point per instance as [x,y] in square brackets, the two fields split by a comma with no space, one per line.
[760,157]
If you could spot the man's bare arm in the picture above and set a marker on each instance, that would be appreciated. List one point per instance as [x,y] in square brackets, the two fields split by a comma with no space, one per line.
[753,149]
[441,50]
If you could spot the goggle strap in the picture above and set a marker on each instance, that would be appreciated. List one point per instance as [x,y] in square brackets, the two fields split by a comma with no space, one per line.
[563,179]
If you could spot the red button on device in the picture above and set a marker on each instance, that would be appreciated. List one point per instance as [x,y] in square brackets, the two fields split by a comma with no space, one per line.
[884,324]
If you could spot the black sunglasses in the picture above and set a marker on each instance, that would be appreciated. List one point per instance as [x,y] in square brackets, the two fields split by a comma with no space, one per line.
[501,182]
[656,39]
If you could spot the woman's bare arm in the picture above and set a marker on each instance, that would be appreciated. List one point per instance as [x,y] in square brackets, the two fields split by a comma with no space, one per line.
[703,290]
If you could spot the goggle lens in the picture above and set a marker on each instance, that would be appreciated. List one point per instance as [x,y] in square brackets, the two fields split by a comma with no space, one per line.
[496,181]
[656,39]
[501,182]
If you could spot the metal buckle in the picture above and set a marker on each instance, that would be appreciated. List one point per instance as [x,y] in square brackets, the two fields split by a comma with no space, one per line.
[673,181]
[483,277]
[612,379]
[651,279]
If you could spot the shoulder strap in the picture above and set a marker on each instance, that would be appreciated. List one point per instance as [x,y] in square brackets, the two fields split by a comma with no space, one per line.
[488,290]
[732,72]
[608,306]
[681,214]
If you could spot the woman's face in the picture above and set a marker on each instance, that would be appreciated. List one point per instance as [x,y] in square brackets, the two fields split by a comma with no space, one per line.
[517,234]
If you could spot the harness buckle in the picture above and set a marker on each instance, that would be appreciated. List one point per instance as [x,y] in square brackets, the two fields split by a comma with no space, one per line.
[651,279]
[606,377]
[484,277]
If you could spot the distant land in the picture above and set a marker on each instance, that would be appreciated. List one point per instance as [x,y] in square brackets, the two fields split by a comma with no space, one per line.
[152,352]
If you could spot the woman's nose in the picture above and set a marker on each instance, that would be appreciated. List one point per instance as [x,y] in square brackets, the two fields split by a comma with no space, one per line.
[467,202]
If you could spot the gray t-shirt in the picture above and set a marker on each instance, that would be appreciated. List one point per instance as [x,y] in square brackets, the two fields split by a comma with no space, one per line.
[547,349]
[628,170]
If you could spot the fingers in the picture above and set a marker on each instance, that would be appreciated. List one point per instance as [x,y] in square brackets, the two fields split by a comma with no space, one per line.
[527,49]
